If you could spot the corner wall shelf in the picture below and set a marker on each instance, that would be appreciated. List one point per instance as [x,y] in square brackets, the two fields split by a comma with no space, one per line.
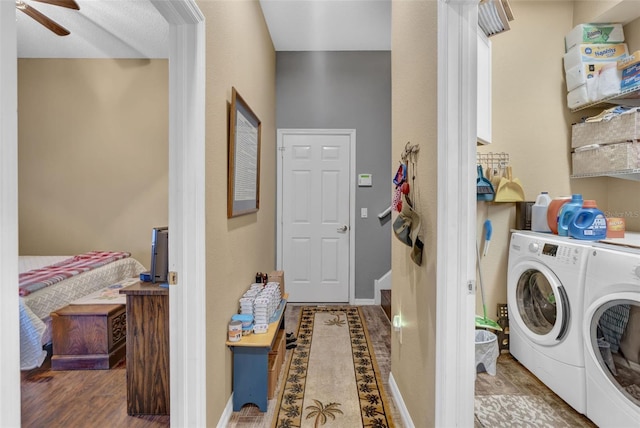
[629,97]
[627,174]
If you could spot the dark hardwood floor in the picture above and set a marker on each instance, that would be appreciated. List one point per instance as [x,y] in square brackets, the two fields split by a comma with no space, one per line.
[97,398]
[79,398]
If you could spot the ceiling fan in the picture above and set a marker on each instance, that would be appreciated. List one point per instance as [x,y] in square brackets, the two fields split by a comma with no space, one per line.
[45,20]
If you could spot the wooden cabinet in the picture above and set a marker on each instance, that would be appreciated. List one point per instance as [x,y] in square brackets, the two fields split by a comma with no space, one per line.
[484,89]
[147,349]
[88,337]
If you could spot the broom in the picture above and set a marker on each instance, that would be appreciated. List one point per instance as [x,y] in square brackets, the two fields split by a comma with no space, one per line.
[483,321]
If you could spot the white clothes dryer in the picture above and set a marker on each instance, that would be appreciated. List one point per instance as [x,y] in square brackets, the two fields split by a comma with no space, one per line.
[611,331]
[545,298]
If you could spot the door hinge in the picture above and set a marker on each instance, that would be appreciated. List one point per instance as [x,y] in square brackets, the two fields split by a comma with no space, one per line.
[281,148]
[172,278]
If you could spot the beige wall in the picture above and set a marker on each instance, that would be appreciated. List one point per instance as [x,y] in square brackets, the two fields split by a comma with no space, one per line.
[239,54]
[533,125]
[414,119]
[92,156]
[530,122]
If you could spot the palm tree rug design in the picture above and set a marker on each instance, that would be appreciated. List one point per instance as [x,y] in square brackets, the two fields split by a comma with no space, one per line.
[332,379]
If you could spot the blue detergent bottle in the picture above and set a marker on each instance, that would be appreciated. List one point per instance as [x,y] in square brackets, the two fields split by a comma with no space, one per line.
[589,223]
[567,212]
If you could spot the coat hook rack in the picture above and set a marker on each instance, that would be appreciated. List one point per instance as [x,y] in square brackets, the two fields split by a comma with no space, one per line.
[495,161]
[410,151]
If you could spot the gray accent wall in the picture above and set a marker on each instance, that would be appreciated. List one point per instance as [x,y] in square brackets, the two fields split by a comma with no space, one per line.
[348,90]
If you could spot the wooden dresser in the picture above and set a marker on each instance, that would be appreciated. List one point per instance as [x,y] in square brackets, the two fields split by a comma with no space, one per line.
[147,349]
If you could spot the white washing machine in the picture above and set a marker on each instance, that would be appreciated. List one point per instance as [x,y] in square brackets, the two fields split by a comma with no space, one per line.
[545,297]
[611,332]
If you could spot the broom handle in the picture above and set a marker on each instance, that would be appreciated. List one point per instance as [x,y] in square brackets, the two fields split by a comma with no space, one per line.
[484,306]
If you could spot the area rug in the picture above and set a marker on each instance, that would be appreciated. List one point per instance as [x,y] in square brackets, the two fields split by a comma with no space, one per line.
[522,411]
[332,378]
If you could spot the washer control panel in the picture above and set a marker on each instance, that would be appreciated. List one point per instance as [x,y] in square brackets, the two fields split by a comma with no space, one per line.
[569,255]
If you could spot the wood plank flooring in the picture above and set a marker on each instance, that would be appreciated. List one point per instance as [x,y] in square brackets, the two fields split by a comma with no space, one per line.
[79,398]
[97,398]
[512,378]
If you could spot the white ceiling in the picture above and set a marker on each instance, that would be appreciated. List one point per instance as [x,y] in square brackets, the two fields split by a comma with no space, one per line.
[329,25]
[100,29]
[135,29]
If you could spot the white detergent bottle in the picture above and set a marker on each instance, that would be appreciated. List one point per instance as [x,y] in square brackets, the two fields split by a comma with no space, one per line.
[539,213]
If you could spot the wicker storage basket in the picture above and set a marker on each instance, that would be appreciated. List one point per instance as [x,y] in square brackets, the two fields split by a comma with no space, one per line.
[608,158]
[621,128]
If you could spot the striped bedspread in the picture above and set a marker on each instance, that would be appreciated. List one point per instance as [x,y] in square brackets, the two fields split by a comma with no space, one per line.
[40,278]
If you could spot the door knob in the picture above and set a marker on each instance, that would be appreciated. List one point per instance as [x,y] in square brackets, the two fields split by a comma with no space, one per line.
[343,229]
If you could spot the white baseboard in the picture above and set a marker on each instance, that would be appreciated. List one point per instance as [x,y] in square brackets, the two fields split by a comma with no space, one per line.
[382,283]
[397,398]
[226,414]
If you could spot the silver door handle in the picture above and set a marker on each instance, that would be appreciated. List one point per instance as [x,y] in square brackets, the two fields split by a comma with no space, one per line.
[343,229]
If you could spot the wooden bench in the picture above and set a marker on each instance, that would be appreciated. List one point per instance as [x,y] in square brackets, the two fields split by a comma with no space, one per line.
[88,337]
[254,379]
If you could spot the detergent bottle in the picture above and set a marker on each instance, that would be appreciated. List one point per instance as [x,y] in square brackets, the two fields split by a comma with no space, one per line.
[589,223]
[539,213]
[553,210]
[567,212]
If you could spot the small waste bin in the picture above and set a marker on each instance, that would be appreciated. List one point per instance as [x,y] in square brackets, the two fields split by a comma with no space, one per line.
[486,351]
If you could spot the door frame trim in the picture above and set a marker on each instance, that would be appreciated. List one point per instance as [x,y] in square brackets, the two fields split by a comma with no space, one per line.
[456,231]
[9,314]
[187,221]
[352,193]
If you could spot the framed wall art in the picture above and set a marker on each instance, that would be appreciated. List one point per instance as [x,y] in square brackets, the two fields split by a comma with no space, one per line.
[243,178]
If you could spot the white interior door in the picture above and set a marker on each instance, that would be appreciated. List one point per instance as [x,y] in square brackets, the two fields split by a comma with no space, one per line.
[315,205]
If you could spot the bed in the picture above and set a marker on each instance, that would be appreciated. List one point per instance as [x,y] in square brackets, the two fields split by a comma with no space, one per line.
[37,301]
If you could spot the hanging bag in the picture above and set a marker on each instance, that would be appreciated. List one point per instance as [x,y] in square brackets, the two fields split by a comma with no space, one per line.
[406,224]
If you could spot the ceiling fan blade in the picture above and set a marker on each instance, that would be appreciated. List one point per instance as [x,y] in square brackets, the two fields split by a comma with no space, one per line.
[44,20]
[69,4]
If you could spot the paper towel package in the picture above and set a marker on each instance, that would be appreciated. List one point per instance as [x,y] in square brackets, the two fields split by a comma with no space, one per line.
[579,74]
[609,79]
[579,96]
[589,53]
[594,33]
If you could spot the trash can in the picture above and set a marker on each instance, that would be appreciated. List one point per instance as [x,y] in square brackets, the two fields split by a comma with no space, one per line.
[486,351]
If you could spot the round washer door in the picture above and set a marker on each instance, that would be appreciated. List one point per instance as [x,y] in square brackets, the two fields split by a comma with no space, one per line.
[538,303]
[612,338]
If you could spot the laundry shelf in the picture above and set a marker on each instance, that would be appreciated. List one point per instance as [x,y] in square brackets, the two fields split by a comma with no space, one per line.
[630,98]
[626,174]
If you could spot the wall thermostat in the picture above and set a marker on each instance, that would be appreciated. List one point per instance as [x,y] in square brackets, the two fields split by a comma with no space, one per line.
[364,180]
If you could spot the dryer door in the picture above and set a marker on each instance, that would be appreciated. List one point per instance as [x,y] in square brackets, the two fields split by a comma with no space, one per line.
[612,338]
[538,303]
